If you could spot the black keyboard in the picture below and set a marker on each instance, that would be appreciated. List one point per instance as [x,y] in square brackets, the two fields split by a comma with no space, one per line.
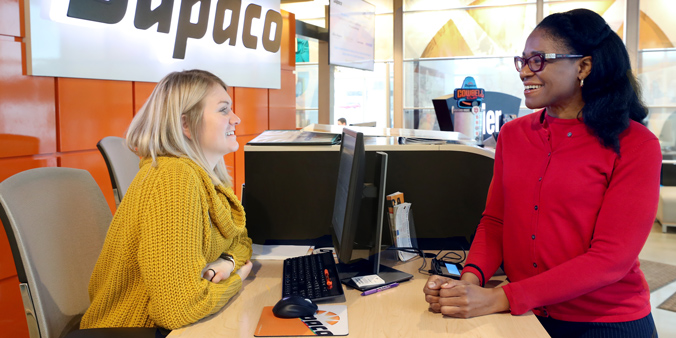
[312,276]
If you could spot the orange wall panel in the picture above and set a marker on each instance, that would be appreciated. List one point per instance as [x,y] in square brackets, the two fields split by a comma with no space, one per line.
[230,161]
[230,165]
[10,17]
[27,110]
[283,103]
[89,110]
[12,318]
[7,268]
[142,91]
[251,105]
[288,50]
[11,166]
[93,162]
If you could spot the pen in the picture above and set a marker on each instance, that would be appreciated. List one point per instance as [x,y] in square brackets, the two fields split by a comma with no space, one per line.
[378,289]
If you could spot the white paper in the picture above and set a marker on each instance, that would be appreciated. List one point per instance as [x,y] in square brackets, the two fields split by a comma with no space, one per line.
[279,252]
[403,235]
[368,280]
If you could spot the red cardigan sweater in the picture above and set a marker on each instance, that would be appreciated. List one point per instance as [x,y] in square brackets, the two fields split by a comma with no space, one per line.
[569,217]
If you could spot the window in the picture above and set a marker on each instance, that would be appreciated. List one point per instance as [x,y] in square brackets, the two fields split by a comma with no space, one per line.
[443,45]
[657,69]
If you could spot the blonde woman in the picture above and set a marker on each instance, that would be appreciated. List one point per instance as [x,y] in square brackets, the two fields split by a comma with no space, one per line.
[177,249]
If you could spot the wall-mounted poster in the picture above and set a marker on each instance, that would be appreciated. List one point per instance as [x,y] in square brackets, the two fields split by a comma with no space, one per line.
[143,40]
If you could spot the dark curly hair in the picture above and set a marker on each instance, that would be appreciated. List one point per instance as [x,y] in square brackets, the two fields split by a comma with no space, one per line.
[611,93]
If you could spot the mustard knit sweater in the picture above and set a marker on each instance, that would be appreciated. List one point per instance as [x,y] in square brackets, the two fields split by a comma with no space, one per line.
[171,223]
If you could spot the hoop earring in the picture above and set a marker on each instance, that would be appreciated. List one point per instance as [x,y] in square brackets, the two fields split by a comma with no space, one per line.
[581,83]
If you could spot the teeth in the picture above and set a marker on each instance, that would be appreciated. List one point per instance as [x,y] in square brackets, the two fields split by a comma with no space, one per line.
[530,87]
[230,133]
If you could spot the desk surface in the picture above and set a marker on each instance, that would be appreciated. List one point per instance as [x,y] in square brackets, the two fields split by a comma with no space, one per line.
[400,312]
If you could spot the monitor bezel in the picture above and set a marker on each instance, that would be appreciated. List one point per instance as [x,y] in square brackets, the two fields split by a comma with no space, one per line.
[343,242]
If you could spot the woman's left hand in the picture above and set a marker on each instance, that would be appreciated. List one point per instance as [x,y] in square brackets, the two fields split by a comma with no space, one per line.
[462,299]
[218,270]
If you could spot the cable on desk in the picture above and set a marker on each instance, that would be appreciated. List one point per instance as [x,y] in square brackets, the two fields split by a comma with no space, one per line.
[451,257]
[455,257]
[418,252]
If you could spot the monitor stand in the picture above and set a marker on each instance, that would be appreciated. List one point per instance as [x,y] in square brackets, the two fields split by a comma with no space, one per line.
[364,267]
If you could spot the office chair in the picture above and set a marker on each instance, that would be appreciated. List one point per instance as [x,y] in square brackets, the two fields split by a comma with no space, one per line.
[56,221]
[121,162]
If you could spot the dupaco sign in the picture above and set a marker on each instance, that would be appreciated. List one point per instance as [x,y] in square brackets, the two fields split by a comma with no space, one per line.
[143,40]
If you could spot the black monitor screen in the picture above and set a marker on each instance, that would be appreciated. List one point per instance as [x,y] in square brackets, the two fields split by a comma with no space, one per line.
[348,193]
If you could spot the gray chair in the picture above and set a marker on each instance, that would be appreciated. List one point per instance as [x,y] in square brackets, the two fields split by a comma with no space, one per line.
[122,164]
[56,221]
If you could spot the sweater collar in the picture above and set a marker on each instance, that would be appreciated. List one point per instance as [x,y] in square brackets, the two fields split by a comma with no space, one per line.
[546,120]
[225,210]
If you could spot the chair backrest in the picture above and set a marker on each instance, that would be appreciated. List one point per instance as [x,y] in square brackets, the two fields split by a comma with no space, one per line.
[56,221]
[121,162]
[668,174]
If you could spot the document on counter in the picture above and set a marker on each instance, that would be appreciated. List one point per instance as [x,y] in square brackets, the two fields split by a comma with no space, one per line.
[279,252]
[403,230]
[294,137]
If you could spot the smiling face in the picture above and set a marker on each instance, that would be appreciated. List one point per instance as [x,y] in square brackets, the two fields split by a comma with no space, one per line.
[557,86]
[217,136]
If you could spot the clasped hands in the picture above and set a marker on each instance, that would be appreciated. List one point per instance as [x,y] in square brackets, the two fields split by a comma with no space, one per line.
[463,298]
[221,269]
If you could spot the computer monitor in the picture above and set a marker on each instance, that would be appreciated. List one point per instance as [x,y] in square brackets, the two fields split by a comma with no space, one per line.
[350,189]
[442,108]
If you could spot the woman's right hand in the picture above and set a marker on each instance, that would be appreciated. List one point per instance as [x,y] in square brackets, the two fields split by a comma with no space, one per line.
[218,270]
[244,271]
[432,289]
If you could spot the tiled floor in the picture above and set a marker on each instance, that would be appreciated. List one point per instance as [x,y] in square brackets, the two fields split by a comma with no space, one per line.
[661,247]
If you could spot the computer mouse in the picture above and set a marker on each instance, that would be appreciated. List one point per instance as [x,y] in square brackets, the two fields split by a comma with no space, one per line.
[294,307]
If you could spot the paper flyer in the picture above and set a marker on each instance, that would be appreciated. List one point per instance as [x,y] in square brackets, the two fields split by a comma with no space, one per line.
[403,229]
[328,320]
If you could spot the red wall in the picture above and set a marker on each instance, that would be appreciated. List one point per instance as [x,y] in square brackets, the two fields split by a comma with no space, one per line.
[49,122]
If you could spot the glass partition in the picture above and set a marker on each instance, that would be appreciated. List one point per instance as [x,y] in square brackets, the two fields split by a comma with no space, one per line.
[657,69]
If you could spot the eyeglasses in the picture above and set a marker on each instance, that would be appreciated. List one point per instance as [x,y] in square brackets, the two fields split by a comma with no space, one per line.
[537,62]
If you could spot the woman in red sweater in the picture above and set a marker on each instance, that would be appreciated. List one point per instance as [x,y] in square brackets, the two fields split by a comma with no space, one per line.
[574,193]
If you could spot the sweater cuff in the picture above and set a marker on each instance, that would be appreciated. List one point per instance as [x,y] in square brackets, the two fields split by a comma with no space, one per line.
[518,299]
[232,284]
[476,271]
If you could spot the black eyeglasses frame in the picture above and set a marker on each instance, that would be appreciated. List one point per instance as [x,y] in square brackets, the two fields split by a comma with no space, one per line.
[545,57]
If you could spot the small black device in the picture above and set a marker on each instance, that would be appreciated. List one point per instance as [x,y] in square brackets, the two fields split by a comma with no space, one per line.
[294,307]
[446,269]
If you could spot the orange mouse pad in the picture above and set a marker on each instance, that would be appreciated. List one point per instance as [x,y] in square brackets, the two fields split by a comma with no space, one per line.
[328,320]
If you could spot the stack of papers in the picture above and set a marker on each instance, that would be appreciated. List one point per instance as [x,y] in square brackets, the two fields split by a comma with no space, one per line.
[279,252]
[294,137]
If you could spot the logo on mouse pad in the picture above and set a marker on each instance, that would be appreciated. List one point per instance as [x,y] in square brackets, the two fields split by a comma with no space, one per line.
[326,317]
[328,320]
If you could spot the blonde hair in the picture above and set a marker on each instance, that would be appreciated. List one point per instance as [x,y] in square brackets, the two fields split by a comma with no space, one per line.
[157,128]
